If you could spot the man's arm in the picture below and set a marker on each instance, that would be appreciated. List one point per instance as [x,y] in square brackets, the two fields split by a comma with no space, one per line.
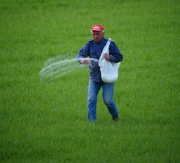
[83,54]
[115,54]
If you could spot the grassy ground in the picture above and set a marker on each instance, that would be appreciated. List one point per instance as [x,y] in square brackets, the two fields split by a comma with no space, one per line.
[47,121]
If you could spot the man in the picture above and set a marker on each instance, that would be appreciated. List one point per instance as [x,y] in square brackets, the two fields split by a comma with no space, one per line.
[93,49]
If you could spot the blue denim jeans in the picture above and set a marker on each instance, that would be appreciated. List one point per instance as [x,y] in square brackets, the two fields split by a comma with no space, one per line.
[107,93]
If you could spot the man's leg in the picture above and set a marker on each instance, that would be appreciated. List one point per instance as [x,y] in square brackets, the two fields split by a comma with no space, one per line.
[108,92]
[93,90]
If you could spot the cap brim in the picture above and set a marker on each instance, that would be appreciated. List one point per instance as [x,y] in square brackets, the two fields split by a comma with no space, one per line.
[96,30]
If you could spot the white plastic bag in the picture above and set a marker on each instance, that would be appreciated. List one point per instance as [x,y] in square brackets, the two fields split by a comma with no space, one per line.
[109,70]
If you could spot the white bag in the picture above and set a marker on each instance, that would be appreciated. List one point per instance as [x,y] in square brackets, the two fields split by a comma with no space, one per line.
[109,70]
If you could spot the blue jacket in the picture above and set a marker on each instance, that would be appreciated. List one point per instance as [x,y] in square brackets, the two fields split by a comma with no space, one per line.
[94,50]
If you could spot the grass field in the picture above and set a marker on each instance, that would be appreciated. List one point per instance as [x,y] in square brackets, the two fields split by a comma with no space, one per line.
[46,122]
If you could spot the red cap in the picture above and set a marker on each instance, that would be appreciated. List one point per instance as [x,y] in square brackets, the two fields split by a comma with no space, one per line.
[97,27]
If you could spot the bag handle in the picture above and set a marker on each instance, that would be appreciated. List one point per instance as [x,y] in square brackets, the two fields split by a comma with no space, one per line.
[105,50]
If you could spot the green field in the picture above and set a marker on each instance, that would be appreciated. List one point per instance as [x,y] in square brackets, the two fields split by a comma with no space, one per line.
[46,121]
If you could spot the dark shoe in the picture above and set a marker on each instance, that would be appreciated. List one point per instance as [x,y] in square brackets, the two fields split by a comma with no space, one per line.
[115,118]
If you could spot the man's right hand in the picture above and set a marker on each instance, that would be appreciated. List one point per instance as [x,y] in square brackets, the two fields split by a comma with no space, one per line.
[84,61]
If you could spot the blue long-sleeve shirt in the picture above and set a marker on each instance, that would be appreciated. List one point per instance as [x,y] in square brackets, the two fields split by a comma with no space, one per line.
[93,50]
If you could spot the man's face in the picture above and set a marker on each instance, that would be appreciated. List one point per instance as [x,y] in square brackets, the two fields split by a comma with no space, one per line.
[97,35]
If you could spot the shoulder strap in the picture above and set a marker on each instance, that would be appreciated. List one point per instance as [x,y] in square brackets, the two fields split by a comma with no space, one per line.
[105,50]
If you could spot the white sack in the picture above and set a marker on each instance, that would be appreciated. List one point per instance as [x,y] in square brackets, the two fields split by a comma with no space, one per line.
[109,70]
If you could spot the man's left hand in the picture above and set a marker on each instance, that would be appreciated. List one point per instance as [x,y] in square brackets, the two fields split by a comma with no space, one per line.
[106,56]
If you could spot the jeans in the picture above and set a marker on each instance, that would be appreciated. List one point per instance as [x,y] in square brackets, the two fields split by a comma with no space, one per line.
[107,93]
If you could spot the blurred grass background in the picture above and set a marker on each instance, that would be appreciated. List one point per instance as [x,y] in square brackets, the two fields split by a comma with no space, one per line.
[47,122]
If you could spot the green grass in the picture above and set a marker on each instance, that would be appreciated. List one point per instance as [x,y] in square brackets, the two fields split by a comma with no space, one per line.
[47,121]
